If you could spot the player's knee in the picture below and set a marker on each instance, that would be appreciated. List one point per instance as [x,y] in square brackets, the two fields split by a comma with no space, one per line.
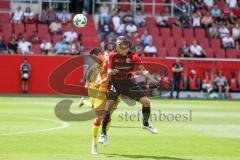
[145,101]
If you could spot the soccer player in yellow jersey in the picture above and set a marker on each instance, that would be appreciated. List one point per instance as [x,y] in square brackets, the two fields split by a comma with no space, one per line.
[97,84]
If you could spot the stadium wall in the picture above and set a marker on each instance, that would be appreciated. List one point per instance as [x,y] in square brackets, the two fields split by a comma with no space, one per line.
[43,66]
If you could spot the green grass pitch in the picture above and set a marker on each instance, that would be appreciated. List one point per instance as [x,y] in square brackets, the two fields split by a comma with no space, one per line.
[29,130]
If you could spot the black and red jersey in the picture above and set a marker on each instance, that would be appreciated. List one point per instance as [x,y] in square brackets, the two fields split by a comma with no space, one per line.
[126,64]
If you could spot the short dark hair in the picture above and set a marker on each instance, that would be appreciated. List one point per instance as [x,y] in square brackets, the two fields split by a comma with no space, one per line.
[95,51]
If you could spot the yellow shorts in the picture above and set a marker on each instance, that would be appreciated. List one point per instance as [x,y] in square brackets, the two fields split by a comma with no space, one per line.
[97,96]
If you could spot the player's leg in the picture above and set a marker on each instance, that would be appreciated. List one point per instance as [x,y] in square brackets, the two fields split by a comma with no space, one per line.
[146,112]
[95,131]
[26,86]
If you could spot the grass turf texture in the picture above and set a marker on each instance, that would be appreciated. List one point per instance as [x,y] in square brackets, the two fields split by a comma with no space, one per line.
[213,133]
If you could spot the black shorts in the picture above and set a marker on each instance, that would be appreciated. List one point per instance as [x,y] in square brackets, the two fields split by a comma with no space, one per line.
[126,88]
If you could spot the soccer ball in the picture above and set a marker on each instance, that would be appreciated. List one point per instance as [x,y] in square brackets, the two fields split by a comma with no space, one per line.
[79,20]
[25,76]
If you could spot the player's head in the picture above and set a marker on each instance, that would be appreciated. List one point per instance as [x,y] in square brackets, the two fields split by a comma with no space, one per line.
[25,60]
[97,55]
[123,45]
[109,47]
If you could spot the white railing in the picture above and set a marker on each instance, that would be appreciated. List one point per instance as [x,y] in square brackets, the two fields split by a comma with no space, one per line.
[133,4]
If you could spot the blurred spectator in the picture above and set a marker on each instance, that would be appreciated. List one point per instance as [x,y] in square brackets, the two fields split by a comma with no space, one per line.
[184,50]
[197,50]
[231,20]
[111,37]
[86,5]
[120,28]
[73,49]
[221,84]
[29,16]
[52,15]
[105,30]
[128,17]
[45,47]
[104,14]
[25,69]
[139,19]
[215,11]
[2,45]
[116,21]
[34,39]
[183,20]
[223,31]
[146,38]
[198,4]
[196,19]
[177,69]
[150,50]
[80,47]
[232,4]
[51,52]
[207,83]
[71,35]
[207,20]
[62,47]
[20,36]
[236,31]
[12,46]
[17,15]
[24,46]
[43,17]
[213,31]
[64,16]
[138,47]
[208,3]
[228,42]
[162,19]
[131,28]
[139,8]
[221,20]
[55,27]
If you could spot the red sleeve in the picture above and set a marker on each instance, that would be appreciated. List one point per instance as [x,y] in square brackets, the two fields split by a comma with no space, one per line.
[109,61]
[135,58]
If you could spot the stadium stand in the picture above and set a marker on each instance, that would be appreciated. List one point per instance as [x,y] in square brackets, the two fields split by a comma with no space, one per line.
[167,39]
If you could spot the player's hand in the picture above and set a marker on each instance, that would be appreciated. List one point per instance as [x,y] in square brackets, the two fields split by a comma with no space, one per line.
[98,83]
[154,82]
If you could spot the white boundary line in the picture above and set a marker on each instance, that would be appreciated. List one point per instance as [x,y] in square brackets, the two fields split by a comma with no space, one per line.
[63,125]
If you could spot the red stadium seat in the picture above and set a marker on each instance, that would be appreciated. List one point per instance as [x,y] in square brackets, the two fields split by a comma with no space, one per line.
[173,52]
[157,41]
[43,28]
[29,28]
[219,53]
[215,43]
[165,32]
[7,29]
[47,37]
[36,49]
[233,84]
[18,28]
[209,52]
[177,32]
[162,52]
[56,38]
[200,33]
[188,32]
[204,43]
[169,43]
[232,53]
[178,42]
[150,22]
[5,18]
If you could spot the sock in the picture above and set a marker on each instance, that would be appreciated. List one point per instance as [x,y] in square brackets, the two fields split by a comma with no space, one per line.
[95,131]
[106,118]
[146,111]
[108,125]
